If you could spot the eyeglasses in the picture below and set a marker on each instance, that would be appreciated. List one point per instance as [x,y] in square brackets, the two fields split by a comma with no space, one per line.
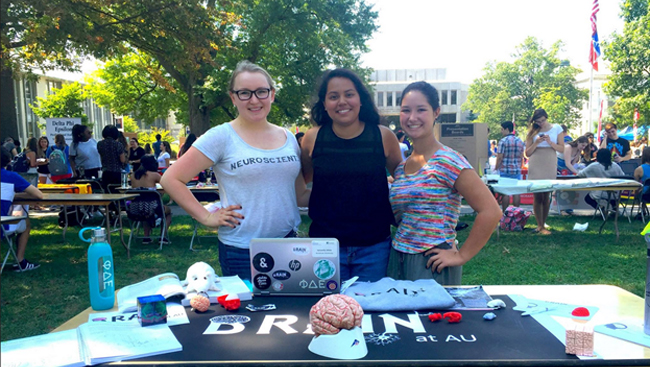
[245,95]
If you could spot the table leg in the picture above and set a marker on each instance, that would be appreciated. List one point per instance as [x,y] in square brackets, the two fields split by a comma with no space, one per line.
[65,215]
[119,215]
[618,203]
[108,224]
[609,197]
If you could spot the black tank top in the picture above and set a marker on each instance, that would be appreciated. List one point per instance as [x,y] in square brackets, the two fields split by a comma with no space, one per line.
[349,198]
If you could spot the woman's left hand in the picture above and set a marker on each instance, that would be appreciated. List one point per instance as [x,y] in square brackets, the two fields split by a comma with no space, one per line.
[440,259]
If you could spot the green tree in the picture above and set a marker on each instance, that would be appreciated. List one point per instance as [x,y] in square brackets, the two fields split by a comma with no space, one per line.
[135,84]
[629,56]
[64,102]
[129,124]
[36,35]
[198,46]
[536,78]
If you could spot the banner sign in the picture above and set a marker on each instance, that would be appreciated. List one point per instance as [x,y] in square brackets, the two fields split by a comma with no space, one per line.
[60,125]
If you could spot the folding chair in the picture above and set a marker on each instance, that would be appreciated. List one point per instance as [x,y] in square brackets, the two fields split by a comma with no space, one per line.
[644,199]
[145,207]
[209,196]
[89,211]
[9,235]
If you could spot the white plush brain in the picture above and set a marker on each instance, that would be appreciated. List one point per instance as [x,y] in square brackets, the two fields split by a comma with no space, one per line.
[333,313]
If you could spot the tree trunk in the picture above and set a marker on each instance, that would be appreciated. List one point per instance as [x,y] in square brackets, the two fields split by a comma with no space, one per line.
[8,118]
[199,115]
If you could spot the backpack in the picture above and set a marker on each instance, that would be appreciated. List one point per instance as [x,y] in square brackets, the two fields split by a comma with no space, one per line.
[19,163]
[514,219]
[58,165]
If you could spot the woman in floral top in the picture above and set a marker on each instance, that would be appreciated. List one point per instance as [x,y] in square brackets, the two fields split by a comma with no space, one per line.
[426,198]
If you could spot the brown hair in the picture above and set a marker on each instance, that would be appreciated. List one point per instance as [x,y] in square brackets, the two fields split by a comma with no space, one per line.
[534,126]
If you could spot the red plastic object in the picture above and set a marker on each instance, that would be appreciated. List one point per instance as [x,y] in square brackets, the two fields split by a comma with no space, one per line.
[222,300]
[232,305]
[435,317]
[580,312]
[452,317]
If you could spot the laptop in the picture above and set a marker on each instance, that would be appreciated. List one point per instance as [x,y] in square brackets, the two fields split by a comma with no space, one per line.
[295,266]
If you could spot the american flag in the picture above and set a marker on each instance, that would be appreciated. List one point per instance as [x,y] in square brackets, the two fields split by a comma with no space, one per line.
[594,49]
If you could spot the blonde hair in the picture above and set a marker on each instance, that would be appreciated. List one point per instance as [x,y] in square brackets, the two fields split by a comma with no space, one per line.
[247,66]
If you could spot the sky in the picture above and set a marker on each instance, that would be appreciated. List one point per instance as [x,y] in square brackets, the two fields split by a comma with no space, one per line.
[464,35]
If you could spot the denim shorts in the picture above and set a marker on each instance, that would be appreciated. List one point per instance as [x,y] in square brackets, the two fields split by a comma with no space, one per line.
[369,263]
[516,176]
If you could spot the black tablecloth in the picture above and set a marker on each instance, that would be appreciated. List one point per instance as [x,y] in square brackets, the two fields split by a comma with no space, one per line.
[510,339]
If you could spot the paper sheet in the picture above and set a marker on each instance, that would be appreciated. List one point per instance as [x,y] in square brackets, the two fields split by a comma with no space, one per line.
[54,349]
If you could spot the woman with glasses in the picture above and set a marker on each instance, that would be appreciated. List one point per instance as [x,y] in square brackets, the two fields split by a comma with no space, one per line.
[257,165]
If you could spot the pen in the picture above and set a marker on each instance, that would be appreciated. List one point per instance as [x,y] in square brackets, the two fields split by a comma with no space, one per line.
[537,310]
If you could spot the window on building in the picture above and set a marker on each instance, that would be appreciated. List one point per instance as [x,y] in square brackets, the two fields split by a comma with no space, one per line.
[99,116]
[380,99]
[30,117]
[443,100]
[53,84]
[454,97]
[88,110]
[447,117]
[389,99]
[107,116]
[398,98]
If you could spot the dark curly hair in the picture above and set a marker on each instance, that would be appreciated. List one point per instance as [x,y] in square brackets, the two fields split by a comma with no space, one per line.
[367,113]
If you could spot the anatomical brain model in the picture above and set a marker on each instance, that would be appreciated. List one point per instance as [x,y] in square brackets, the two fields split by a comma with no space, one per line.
[333,313]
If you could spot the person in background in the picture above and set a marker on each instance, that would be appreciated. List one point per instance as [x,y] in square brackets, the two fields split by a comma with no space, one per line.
[157,146]
[147,149]
[605,168]
[642,173]
[188,143]
[122,139]
[135,153]
[147,176]
[257,166]
[542,142]
[619,147]
[346,155]
[164,156]
[402,146]
[41,160]
[60,144]
[568,162]
[510,156]
[112,155]
[11,183]
[31,153]
[299,136]
[10,146]
[84,156]
[426,199]
[567,137]
[493,147]
[589,153]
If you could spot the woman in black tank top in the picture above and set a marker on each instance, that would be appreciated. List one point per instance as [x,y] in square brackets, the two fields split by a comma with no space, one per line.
[347,157]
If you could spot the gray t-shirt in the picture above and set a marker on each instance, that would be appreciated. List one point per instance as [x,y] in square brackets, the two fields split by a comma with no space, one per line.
[261,181]
[86,154]
[598,170]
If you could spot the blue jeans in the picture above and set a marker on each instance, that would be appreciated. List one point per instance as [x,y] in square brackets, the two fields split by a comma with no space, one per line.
[237,261]
[515,176]
[369,263]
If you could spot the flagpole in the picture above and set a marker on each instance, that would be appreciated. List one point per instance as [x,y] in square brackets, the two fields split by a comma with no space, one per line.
[591,91]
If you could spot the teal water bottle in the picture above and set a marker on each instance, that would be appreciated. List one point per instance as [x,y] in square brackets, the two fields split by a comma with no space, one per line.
[101,275]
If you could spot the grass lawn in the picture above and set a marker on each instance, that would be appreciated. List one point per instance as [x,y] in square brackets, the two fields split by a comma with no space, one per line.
[36,302]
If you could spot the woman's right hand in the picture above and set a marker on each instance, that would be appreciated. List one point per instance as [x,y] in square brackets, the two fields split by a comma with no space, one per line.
[224,217]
